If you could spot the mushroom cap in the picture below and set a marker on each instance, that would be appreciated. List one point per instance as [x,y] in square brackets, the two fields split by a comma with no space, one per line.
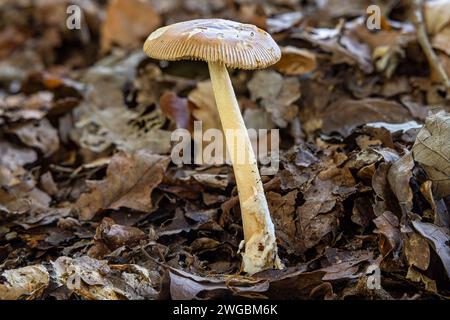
[237,45]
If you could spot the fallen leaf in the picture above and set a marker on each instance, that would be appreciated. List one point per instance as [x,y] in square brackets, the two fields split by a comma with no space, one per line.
[94,279]
[13,157]
[295,61]
[341,265]
[436,15]
[399,175]
[283,21]
[432,150]
[20,107]
[441,215]
[417,251]
[40,135]
[116,235]
[127,23]
[417,276]
[205,109]
[177,110]
[438,238]
[103,118]
[277,95]
[24,283]
[388,226]
[344,115]
[282,209]
[186,286]
[130,180]
[344,47]
[48,184]
[297,281]
[316,218]
[212,180]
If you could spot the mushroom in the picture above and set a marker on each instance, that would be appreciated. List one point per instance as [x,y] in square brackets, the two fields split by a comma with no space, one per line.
[223,43]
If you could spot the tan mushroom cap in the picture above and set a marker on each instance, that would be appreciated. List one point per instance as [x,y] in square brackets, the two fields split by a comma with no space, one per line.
[237,45]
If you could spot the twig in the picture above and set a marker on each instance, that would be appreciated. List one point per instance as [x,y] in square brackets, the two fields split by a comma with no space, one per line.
[424,42]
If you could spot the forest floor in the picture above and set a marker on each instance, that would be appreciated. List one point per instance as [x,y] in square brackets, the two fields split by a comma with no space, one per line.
[91,206]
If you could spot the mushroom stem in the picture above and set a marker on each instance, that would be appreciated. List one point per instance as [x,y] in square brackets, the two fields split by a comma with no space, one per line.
[259,232]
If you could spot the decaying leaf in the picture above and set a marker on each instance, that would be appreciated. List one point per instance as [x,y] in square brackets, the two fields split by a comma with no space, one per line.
[283,21]
[40,135]
[105,120]
[343,116]
[344,264]
[96,280]
[388,226]
[177,110]
[345,48]
[13,157]
[295,61]
[399,175]
[417,252]
[436,15]
[24,283]
[127,23]
[115,235]
[185,286]
[205,108]
[130,180]
[417,276]
[438,238]
[316,217]
[432,150]
[277,95]
[284,215]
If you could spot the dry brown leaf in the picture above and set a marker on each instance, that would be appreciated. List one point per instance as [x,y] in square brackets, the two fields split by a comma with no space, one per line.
[441,41]
[186,286]
[341,265]
[438,238]
[219,181]
[295,61]
[417,252]
[127,23]
[399,175]
[416,276]
[437,15]
[177,109]
[24,283]
[388,226]
[345,48]
[282,209]
[277,95]
[344,115]
[13,157]
[116,235]
[432,150]
[104,119]
[298,282]
[48,184]
[440,212]
[283,21]
[130,180]
[20,107]
[205,109]
[40,135]
[316,217]
[96,280]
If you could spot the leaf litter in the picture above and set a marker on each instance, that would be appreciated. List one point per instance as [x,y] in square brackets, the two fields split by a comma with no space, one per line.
[91,207]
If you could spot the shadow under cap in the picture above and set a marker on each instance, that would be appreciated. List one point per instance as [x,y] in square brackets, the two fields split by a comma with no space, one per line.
[236,45]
